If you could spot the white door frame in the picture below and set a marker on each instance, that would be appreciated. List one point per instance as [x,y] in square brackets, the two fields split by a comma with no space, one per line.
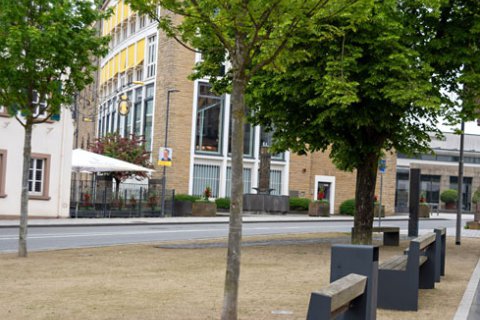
[328,179]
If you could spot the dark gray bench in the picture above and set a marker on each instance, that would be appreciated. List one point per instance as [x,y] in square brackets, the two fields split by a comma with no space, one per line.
[391,235]
[400,277]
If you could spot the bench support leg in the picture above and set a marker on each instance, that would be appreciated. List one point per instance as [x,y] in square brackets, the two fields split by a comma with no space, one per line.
[391,239]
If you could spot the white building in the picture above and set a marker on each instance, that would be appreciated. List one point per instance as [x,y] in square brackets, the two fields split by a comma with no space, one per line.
[50,169]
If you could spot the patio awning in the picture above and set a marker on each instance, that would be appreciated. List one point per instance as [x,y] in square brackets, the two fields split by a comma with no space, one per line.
[86,161]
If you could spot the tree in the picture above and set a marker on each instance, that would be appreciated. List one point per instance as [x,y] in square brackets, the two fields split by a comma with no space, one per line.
[250,35]
[45,51]
[365,92]
[130,149]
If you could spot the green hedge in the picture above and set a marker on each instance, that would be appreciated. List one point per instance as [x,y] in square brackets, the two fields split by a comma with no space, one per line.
[348,207]
[186,197]
[223,203]
[299,204]
[449,196]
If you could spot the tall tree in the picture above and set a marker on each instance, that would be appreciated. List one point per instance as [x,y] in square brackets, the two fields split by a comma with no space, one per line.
[367,91]
[250,35]
[130,149]
[45,51]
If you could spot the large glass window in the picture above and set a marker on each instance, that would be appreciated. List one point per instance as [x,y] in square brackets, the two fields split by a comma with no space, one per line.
[148,117]
[137,126]
[247,181]
[266,139]
[129,120]
[401,192]
[466,190]
[247,139]
[3,171]
[206,176]
[209,120]
[430,187]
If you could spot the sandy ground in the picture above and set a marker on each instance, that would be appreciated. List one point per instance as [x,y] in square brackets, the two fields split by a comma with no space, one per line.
[148,282]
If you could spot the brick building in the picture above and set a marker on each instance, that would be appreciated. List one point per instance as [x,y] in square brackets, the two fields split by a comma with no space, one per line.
[150,69]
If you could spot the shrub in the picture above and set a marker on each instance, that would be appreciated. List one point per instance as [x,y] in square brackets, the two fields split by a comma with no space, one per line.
[223,203]
[300,204]
[348,207]
[449,196]
[186,197]
[476,196]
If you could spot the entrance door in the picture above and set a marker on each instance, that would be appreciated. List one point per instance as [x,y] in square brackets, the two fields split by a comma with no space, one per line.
[325,184]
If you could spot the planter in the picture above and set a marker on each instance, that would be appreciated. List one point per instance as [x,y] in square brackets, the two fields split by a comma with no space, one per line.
[423,211]
[319,209]
[204,209]
[375,211]
[450,205]
[182,208]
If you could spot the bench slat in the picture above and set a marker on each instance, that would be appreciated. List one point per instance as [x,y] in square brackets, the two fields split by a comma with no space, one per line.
[425,240]
[385,229]
[399,263]
[344,290]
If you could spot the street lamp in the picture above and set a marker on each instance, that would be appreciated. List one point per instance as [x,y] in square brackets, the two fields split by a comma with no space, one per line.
[167,113]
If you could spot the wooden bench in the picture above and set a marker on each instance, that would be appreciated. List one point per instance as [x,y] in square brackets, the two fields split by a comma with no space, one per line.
[400,277]
[391,235]
[336,298]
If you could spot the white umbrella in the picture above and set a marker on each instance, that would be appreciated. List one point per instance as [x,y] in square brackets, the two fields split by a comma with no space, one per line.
[93,162]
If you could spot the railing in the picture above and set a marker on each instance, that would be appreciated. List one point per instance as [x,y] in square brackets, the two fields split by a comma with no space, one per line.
[91,200]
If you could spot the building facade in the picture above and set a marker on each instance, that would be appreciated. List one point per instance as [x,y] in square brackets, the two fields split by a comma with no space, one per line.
[170,110]
[50,167]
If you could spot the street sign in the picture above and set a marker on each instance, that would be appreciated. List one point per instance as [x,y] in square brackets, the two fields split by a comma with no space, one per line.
[382,165]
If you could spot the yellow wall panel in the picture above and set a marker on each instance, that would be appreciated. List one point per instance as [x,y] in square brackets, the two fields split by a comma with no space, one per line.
[140,51]
[131,56]
[116,62]
[123,60]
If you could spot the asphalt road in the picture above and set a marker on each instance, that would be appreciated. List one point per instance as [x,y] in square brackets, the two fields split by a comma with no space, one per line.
[61,237]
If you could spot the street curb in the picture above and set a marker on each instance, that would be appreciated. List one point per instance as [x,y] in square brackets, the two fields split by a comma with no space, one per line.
[156,223]
[466,304]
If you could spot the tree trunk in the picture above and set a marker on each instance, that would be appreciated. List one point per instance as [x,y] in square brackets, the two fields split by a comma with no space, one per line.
[230,297]
[27,149]
[364,200]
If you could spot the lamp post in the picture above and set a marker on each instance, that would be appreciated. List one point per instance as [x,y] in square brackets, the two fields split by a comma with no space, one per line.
[460,184]
[167,114]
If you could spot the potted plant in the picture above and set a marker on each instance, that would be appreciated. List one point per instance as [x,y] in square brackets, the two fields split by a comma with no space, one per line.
[320,207]
[449,197]
[424,208]
[183,204]
[376,208]
[204,207]
[476,201]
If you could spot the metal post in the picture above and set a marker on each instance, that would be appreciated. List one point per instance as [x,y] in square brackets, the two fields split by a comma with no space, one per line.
[167,112]
[413,202]
[460,185]
[380,203]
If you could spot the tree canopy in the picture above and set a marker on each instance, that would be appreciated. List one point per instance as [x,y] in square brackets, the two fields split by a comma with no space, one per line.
[378,85]
[46,52]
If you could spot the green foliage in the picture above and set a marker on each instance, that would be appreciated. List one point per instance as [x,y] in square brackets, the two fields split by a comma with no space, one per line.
[186,197]
[46,50]
[347,207]
[223,203]
[300,204]
[449,196]
[476,196]
[130,149]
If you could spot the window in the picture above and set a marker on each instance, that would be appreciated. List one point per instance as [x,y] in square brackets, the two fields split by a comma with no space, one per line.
[139,73]
[125,31]
[466,190]
[39,176]
[247,181]
[430,186]
[128,129]
[133,23]
[152,56]
[205,176]
[266,139]
[130,77]
[247,139]
[276,182]
[3,172]
[209,120]
[141,23]
[147,132]
[137,125]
